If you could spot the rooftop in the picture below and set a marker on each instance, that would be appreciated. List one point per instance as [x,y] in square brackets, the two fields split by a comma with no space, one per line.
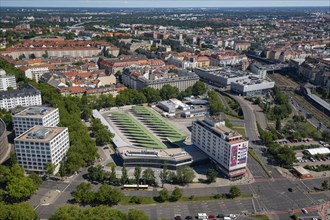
[35,112]
[41,134]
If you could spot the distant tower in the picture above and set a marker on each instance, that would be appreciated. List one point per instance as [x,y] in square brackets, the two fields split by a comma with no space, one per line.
[180,37]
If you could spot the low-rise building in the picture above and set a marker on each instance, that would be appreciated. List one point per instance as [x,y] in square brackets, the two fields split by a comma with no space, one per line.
[29,117]
[252,87]
[42,145]
[24,96]
[220,76]
[137,156]
[225,147]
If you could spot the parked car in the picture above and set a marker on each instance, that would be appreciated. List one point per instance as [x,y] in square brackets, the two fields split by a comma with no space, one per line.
[304,211]
[211,216]
[290,189]
[189,217]
[177,217]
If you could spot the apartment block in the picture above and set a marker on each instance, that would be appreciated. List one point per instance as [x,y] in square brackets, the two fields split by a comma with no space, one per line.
[32,116]
[41,145]
[7,81]
[24,96]
[225,147]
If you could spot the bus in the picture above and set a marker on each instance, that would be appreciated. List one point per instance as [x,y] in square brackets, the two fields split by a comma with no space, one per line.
[135,187]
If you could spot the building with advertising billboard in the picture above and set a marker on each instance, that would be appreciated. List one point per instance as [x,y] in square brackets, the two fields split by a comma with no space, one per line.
[225,147]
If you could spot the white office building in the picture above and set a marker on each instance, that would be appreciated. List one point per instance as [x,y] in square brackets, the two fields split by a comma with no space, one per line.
[251,87]
[225,147]
[41,145]
[24,96]
[29,117]
[7,81]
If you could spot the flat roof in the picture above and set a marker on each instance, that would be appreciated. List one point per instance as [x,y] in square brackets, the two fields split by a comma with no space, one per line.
[301,170]
[141,152]
[41,134]
[35,112]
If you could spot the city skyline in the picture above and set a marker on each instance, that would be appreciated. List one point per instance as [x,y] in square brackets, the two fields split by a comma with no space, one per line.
[167,3]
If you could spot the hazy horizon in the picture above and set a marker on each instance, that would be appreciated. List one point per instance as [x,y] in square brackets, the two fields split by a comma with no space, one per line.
[163,3]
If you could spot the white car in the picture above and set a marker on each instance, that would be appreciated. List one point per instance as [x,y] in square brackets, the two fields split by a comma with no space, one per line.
[304,211]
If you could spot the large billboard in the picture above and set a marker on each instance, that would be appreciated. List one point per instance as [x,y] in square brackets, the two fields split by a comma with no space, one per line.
[243,151]
[233,155]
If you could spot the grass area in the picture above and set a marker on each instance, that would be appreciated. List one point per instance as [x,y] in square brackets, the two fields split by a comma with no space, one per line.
[134,130]
[159,124]
[260,217]
[253,154]
[111,164]
[240,130]
[144,200]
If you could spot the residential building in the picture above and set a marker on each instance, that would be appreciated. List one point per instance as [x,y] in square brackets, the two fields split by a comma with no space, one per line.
[35,72]
[141,77]
[4,147]
[41,145]
[225,147]
[24,96]
[29,117]
[7,81]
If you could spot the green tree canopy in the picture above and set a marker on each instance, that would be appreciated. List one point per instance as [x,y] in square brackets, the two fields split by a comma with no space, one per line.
[211,175]
[198,88]
[185,174]
[22,211]
[151,94]
[148,176]
[235,191]
[176,194]
[68,212]
[135,214]
[84,194]
[169,92]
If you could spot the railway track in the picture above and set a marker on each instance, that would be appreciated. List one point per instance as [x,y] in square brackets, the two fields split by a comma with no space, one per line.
[283,81]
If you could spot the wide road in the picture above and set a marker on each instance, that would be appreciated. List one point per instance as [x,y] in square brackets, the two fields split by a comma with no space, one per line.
[269,196]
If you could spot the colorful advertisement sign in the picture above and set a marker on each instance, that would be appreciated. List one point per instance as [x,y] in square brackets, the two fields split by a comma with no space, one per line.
[233,155]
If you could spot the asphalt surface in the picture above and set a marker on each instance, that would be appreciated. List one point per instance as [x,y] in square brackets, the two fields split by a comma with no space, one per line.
[269,196]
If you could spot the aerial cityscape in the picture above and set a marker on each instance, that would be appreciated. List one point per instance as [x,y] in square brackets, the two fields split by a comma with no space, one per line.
[162,110]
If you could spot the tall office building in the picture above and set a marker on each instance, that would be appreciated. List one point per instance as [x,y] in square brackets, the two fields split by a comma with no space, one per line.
[41,145]
[32,116]
[225,147]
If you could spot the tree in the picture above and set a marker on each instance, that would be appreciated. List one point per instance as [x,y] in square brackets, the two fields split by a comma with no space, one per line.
[96,174]
[22,211]
[148,176]
[113,176]
[326,135]
[20,188]
[108,195]
[68,212]
[137,175]
[235,192]
[278,124]
[151,94]
[176,194]
[50,168]
[168,92]
[124,176]
[211,175]
[37,180]
[103,212]
[185,174]
[215,104]
[198,88]
[163,175]
[163,195]
[83,194]
[325,184]
[134,214]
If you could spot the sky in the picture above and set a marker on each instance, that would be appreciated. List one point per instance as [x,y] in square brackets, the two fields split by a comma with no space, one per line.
[163,3]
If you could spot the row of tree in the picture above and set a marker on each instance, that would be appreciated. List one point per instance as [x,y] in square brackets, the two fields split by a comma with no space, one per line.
[282,108]
[215,103]
[105,195]
[100,212]
[101,133]
[284,154]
